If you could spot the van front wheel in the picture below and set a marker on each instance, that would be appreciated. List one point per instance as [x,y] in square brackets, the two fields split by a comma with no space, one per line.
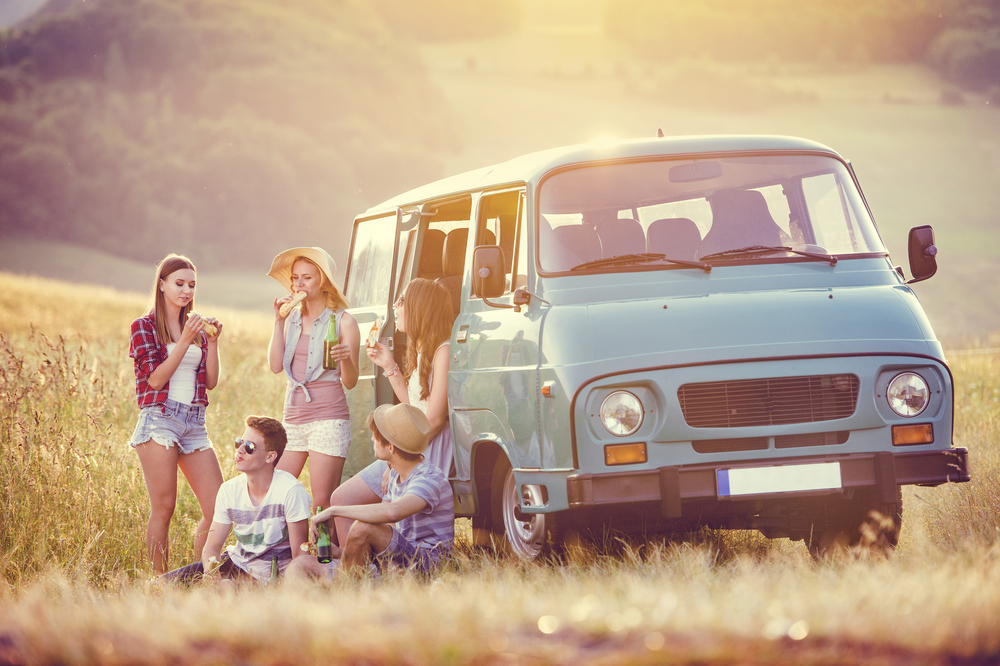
[527,536]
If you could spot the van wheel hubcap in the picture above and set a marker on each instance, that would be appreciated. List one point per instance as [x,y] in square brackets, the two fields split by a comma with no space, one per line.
[526,537]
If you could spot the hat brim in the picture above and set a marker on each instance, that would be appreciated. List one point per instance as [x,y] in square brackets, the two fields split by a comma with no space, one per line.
[400,429]
[281,266]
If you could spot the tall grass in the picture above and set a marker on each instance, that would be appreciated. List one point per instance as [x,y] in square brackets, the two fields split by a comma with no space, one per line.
[960,513]
[73,493]
[73,510]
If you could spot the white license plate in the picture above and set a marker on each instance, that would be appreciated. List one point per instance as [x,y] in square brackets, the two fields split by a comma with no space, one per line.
[780,479]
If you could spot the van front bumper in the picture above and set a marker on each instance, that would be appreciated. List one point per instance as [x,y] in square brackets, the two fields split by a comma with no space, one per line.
[672,486]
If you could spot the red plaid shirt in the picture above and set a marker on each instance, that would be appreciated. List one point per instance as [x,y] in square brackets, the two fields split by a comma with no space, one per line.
[147,352]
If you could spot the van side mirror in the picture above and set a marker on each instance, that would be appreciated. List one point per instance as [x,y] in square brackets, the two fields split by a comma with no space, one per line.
[487,271]
[923,253]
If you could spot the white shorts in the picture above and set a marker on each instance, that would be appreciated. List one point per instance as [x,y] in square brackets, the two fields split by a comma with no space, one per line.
[331,437]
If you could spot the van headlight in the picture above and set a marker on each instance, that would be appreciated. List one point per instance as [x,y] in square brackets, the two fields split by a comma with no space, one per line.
[621,413]
[908,394]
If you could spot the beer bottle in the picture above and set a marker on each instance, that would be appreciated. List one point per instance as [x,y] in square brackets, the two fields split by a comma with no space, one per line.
[323,551]
[331,340]
[274,571]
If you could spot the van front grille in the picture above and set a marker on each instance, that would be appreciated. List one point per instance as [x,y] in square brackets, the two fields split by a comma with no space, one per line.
[772,401]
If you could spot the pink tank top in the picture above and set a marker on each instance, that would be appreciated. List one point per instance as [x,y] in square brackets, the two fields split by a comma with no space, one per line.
[327,397]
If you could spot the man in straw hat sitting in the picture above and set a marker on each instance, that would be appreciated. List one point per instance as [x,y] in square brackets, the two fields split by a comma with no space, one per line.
[414,526]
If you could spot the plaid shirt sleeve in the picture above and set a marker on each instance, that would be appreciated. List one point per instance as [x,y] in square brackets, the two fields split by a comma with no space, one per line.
[147,354]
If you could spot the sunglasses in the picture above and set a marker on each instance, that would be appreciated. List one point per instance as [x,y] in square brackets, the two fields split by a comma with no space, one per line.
[247,445]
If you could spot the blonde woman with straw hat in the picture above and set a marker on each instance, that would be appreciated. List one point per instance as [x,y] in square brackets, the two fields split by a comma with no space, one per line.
[316,417]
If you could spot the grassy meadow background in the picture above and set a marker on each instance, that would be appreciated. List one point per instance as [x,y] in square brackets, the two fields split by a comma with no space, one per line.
[229,130]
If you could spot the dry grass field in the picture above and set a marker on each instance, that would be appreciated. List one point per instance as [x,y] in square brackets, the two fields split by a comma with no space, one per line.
[75,588]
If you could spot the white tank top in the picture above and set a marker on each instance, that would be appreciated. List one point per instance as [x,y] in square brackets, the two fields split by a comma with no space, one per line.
[180,387]
[413,386]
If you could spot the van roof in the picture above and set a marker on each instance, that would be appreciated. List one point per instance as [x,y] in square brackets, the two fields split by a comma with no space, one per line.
[532,166]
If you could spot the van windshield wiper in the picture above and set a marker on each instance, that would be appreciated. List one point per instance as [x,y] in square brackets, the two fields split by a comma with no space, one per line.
[641,258]
[768,249]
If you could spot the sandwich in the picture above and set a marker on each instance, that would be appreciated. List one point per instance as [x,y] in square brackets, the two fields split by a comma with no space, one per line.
[373,335]
[296,299]
[211,330]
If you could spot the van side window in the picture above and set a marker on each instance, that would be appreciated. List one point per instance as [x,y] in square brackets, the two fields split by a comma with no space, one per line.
[371,262]
[498,225]
[833,220]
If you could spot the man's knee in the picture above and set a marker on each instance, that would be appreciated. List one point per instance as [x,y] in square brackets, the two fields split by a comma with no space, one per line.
[367,538]
[368,533]
[302,567]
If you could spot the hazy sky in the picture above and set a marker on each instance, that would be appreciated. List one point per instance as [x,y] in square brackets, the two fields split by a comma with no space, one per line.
[12,11]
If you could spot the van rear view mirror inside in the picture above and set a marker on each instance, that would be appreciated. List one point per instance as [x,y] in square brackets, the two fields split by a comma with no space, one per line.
[690,173]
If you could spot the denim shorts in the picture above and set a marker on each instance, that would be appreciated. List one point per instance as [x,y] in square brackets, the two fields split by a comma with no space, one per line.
[173,424]
[405,554]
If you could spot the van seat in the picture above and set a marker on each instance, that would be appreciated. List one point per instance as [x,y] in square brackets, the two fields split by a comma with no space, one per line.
[621,236]
[740,218]
[431,261]
[674,237]
[452,263]
[575,244]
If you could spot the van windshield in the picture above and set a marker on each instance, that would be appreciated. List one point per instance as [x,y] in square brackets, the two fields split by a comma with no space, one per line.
[740,209]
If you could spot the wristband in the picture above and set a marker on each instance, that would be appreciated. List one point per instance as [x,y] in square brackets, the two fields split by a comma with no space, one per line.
[394,370]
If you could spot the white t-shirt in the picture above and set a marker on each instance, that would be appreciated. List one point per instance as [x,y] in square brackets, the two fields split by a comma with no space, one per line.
[180,387]
[262,531]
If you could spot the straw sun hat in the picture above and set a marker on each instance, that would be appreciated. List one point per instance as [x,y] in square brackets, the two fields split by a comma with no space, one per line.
[281,267]
[405,426]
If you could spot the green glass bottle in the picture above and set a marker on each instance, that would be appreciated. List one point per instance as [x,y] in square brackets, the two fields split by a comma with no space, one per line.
[323,550]
[275,572]
[330,341]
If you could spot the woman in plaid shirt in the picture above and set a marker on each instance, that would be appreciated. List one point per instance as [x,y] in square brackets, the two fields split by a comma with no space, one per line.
[176,364]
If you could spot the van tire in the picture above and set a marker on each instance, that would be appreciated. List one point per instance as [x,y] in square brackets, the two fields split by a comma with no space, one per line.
[863,526]
[528,540]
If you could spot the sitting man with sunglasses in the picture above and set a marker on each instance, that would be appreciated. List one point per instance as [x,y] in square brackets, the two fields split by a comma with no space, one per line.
[267,508]
[414,525]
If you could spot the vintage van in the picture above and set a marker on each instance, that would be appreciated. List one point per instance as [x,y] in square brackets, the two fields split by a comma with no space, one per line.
[664,333]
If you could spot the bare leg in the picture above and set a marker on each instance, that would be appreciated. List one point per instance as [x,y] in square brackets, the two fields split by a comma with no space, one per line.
[324,477]
[159,469]
[364,541]
[292,462]
[201,469]
[305,567]
[352,492]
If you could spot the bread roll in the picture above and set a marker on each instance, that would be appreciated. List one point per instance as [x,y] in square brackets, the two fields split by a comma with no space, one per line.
[287,307]
[211,330]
